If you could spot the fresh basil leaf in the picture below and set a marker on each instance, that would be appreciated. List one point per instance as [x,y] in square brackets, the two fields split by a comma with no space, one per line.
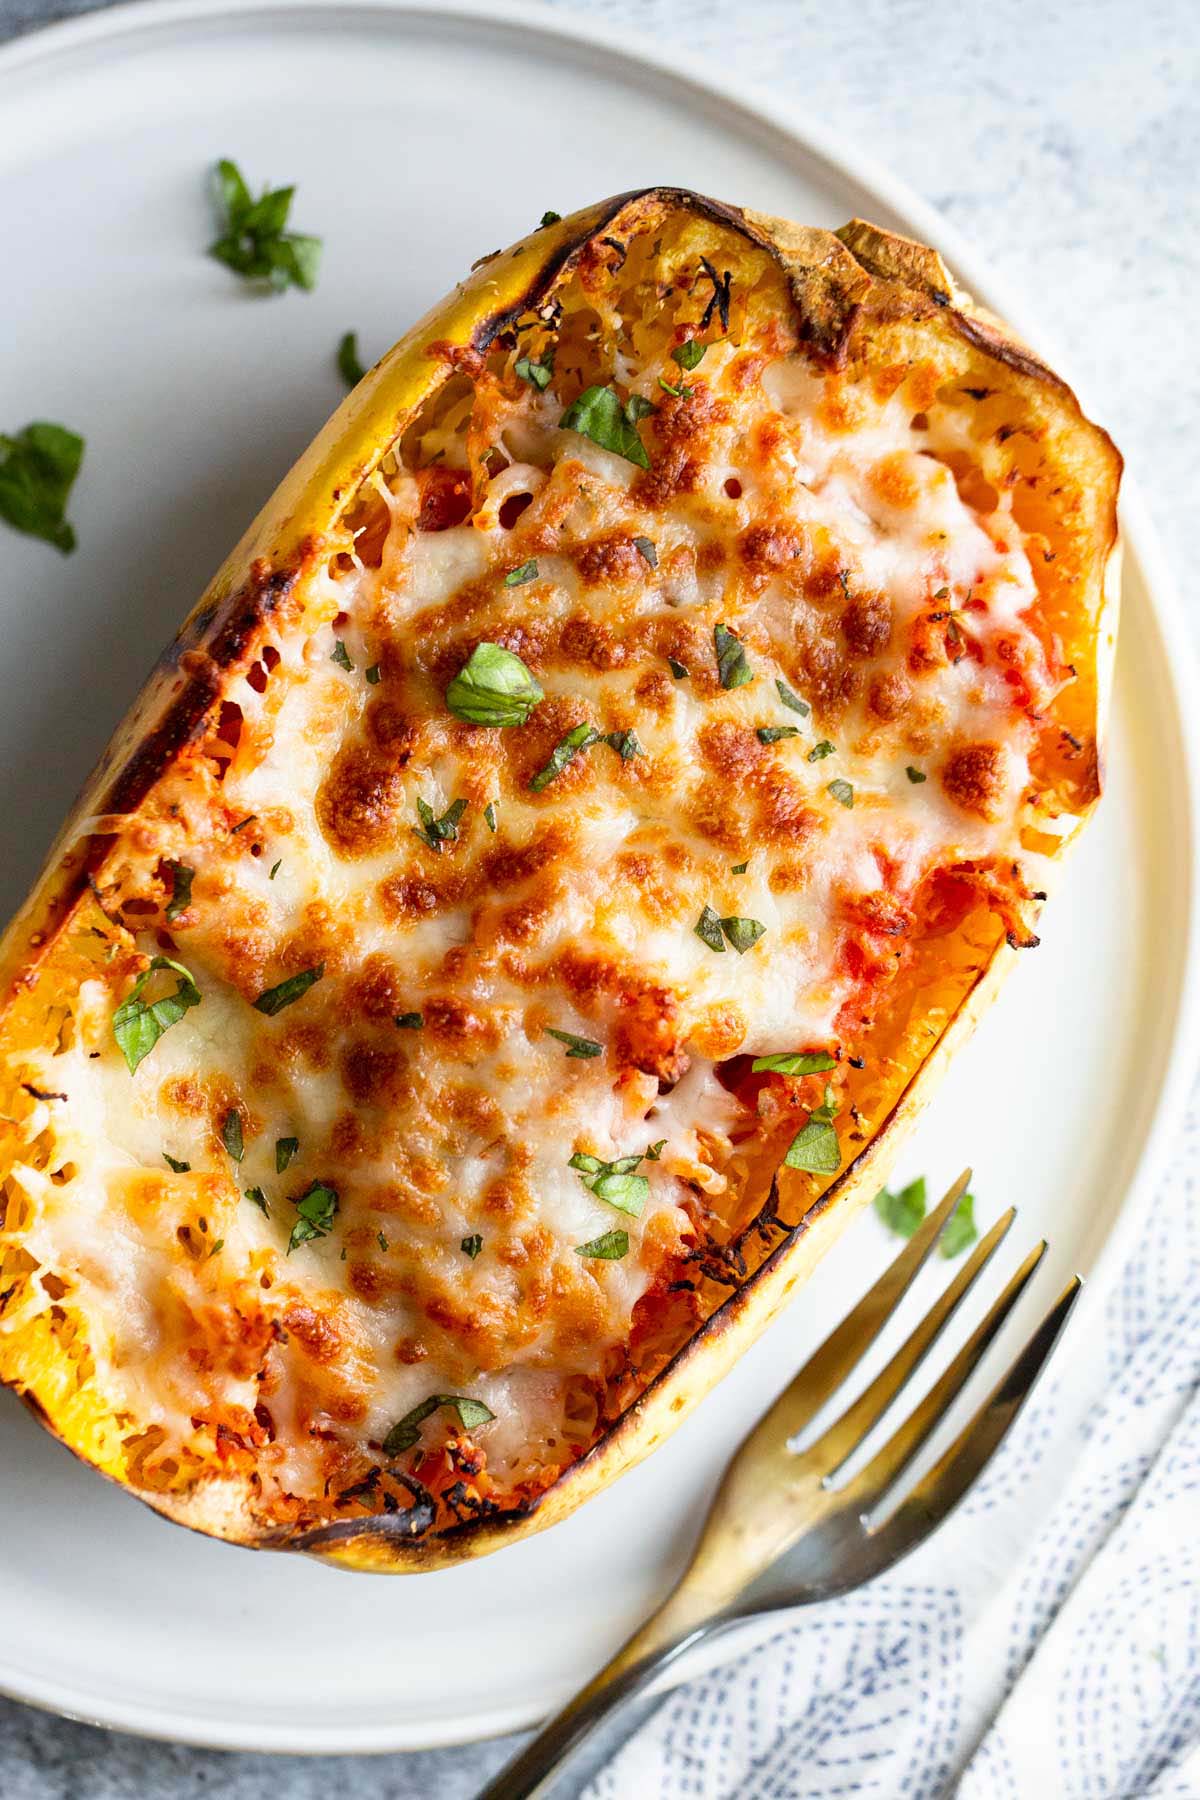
[792,701]
[677,669]
[518,578]
[317,1208]
[231,1134]
[550,218]
[576,1046]
[406,1432]
[138,1024]
[794,1062]
[434,831]
[775,734]
[494,687]
[679,392]
[738,868]
[743,934]
[646,551]
[732,666]
[820,751]
[655,1150]
[815,1148]
[286,993]
[373,674]
[286,1150]
[37,472]
[537,374]
[349,367]
[708,930]
[564,752]
[182,878]
[611,1247]
[341,656]
[471,1246]
[411,1021]
[599,415]
[489,815]
[273,871]
[254,242]
[842,792]
[637,407]
[688,355]
[960,1231]
[915,775]
[902,1212]
[626,744]
[180,1168]
[614,1182]
[258,1198]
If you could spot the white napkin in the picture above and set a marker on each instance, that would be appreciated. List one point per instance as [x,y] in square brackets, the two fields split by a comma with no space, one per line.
[1046,1644]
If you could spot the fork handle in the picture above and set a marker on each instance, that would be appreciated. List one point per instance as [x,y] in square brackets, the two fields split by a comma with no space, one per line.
[534,1770]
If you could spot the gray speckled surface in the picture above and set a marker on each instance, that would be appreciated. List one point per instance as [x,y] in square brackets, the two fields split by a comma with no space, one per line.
[1063,139]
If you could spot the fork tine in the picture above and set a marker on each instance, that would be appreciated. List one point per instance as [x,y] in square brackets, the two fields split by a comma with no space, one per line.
[847,1343]
[846,1433]
[936,1495]
[889,1462]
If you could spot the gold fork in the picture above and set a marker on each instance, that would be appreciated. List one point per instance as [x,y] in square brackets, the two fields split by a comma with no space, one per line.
[780,1533]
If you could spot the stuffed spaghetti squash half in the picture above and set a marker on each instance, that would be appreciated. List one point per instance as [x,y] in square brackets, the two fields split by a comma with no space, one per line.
[547,872]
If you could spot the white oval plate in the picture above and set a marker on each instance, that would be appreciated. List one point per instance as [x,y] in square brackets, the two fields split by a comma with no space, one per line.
[420,138]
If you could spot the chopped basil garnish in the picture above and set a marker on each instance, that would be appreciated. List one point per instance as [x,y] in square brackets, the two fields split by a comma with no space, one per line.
[434,831]
[816,1148]
[915,774]
[903,1211]
[626,744]
[341,656]
[373,674]
[677,393]
[820,751]
[286,993]
[180,1168]
[407,1431]
[792,701]
[742,934]
[349,367]
[598,414]
[257,1198]
[286,1149]
[774,734]
[646,551]
[961,1230]
[231,1134]
[471,1246]
[708,929]
[576,1046]
[219,1245]
[794,1062]
[732,666]
[537,374]
[242,824]
[564,752]
[182,878]
[381,1240]
[489,815]
[254,243]
[677,669]
[614,1182]
[550,218]
[842,792]
[37,472]
[738,868]
[494,687]
[138,1024]
[688,355]
[609,1248]
[410,1021]
[655,1150]
[274,869]
[317,1208]
[518,577]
